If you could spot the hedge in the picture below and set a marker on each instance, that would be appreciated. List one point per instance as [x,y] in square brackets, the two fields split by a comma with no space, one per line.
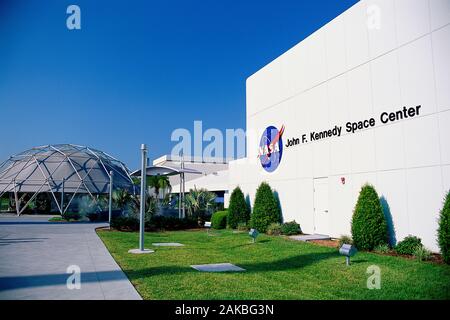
[219,220]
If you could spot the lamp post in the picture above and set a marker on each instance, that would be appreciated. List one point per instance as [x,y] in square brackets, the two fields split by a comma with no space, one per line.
[111,180]
[142,204]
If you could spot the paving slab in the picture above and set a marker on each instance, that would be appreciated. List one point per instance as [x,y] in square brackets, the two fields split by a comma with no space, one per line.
[309,237]
[35,255]
[168,244]
[217,267]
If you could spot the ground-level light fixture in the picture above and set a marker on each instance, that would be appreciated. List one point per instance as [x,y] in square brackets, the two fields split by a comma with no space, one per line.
[348,251]
[253,233]
[208,226]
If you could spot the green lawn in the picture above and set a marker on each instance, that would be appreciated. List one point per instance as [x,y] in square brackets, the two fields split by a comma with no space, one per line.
[277,268]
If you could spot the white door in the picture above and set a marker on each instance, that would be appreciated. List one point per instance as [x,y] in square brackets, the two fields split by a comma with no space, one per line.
[321,214]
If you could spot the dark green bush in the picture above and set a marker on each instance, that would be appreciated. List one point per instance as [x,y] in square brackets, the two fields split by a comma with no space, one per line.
[408,245]
[238,211]
[71,216]
[265,209]
[93,216]
[125,223]
[274,229]
[158,223]
[444,230]
[290,228]
[369,228]
[219,220]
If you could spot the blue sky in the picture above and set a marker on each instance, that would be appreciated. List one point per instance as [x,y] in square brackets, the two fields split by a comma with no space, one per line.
[137,70]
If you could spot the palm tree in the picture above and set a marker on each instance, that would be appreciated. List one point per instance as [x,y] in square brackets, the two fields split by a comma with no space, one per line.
[199,201]
[122,198]
[158,183]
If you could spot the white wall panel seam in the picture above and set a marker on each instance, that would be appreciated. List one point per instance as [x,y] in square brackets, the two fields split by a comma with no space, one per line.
[435,95]
[342,73]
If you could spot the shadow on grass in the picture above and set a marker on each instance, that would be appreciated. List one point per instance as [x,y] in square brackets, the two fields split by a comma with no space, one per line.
[291,263]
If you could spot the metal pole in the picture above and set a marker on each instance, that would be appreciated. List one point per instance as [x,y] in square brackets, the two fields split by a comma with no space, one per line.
[183,184]
[179,200]
[111,178]
[62,195]
[143,186]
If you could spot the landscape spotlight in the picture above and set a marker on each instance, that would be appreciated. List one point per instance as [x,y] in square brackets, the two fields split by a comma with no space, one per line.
[208,226]
[253,233]
[348,251]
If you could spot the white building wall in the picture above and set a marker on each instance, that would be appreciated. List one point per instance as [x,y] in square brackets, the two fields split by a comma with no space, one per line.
[344,72]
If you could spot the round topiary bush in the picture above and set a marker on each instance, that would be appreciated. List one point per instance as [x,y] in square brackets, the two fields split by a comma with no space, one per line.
[290,228]
[408,245]
[369,228]
[265,209]
[219,220]
[444,230]
[238,211]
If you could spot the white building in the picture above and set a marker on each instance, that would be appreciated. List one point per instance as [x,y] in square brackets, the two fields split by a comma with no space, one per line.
[384,65]
[213,173]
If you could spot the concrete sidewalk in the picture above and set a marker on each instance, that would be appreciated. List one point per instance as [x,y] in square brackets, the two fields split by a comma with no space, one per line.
[35,255]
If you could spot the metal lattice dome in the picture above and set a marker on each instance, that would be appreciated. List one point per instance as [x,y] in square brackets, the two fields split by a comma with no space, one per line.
[62,169]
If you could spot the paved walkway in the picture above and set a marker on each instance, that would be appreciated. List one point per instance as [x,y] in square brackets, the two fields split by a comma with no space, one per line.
[35,255]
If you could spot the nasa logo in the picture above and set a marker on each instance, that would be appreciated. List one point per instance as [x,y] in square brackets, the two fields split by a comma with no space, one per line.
[271,148]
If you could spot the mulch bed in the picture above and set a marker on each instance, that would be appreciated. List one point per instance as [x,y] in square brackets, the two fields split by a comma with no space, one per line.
[435,257]
[326,243]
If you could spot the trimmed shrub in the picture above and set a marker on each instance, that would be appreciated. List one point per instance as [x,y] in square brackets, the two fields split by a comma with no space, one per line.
[71,216]
[125,223]
[219,220]
[265,209]
[93,216]
[444,230]
[238,211]
[345,240]
[274,229]
[422,254]
[408,246]
[157,223]
[290,228]
[369,228]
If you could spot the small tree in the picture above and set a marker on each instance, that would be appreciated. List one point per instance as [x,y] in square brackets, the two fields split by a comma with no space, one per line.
[238,211]
[444,230]
[265,209]
[199,202]
[122,198]
[369,228]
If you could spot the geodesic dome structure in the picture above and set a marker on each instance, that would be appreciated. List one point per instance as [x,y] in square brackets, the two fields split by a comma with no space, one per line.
[63,171]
